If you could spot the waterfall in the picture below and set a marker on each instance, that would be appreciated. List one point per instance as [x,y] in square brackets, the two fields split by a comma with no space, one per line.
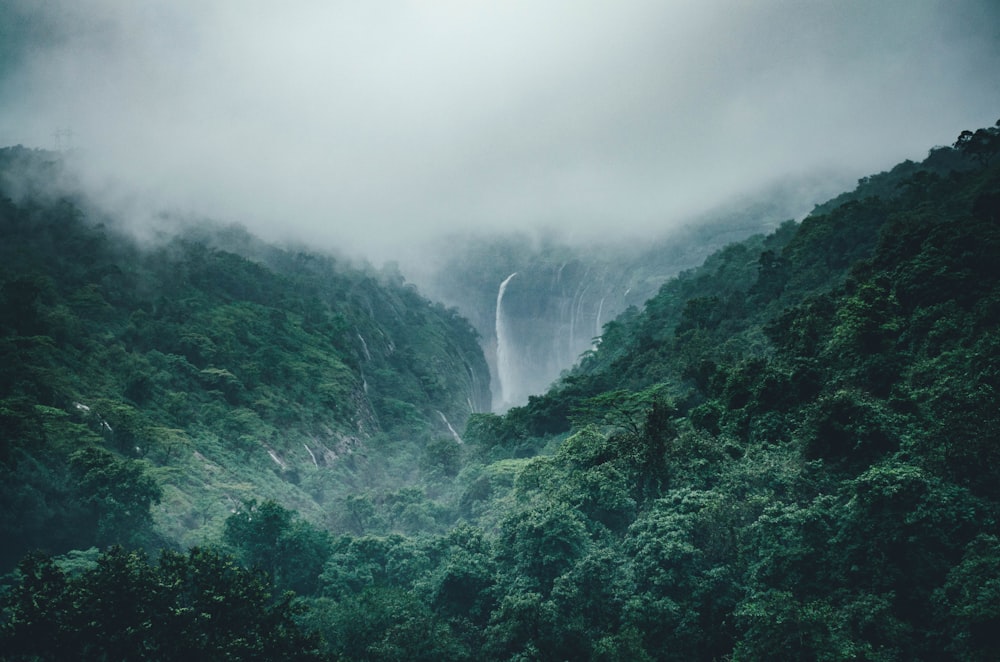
[450,429]
[277,460]
[505,375]
[597,324]
[578,300]
[563,323]
[474,389]
[364,346]
[312,455]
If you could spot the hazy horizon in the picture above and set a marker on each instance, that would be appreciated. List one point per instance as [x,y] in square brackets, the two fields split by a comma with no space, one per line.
[365,127]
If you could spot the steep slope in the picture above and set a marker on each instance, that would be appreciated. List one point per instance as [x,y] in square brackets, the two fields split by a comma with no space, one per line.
[232,369]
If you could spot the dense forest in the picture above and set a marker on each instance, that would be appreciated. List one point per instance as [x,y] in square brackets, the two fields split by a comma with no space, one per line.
[217,448]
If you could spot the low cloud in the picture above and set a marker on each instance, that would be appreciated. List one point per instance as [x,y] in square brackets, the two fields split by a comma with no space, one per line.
[368,125]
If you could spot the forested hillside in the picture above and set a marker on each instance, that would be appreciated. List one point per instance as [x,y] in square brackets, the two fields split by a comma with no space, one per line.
[790,452]
[200,370]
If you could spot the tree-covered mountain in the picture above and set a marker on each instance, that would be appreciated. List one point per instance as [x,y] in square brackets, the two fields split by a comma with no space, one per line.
[790,452]
[199,370]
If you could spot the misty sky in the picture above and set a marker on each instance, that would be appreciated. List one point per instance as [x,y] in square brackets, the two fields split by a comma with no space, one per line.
[364,124]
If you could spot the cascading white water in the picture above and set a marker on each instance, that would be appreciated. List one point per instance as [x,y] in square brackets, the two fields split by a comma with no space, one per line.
[505,372]
[597,324]
[475,387]
[578,300]
[364,346]
[312,455]
[450,428]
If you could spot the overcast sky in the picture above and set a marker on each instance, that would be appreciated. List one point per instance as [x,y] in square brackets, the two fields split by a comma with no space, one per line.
[364,124]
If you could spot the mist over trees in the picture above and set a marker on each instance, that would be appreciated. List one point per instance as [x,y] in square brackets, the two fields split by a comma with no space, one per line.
[567,288]
[229,449]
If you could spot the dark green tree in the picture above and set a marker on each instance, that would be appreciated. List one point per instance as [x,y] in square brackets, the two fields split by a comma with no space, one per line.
[981,144]
[198,605]
[118,493]
[275,540]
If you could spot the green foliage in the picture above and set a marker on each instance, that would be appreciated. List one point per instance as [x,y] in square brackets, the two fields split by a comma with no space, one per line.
[118,491]
[442,457]
[385,624]
[198,605]
[779,625]
[971,595]
[539,544]
[981,144]
[270,538]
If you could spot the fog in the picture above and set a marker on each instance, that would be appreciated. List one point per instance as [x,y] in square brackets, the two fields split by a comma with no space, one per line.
[366,125]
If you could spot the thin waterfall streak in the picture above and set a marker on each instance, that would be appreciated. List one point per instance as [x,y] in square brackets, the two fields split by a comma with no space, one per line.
[364,346]
[450,428]
[504,371]
[558,337]
[597,324]
[577,309]
[312,455]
